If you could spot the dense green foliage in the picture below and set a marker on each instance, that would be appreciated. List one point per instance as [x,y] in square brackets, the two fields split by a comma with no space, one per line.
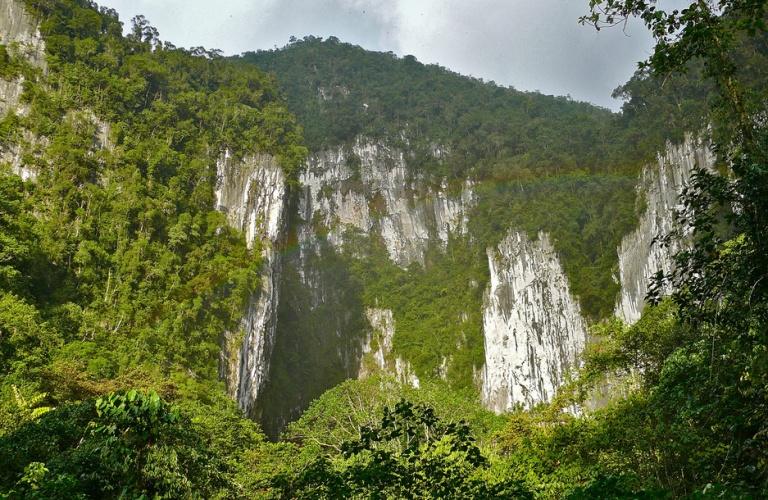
[410,454]
[132,444]
[115,270]
[437,308]
[339,91]
[338,415]
[124,262]
[117,279]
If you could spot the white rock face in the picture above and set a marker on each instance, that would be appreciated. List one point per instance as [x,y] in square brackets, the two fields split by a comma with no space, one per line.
[533,328]
[379,197]
[252,192]
[12,155]
[10,96]
[18,28]
[21,36]
[383,331]
[639,256]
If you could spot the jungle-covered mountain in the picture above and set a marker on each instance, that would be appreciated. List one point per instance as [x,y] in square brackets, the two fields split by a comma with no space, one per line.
[533,163]
[417,284]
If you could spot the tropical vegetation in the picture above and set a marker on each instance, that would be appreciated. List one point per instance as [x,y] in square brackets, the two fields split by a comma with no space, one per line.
[118,276]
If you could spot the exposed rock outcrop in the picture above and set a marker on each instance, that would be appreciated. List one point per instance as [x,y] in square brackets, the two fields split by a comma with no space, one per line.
[252,192]
[377,349]
[368,187]
[640,257]
[20,35]
[19,31]
[533,328]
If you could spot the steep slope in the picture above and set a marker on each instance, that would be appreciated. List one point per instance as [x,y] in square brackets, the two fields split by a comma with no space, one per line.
[22,52]
[113,247]
[415,176]
[643,253]
[252,192]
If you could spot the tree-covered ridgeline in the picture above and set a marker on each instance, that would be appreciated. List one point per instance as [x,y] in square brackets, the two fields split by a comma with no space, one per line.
[339,91]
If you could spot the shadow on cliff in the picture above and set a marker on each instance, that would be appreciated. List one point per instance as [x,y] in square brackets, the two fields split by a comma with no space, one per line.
[321,327]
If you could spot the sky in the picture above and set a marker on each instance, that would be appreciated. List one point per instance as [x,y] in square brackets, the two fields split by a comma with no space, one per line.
[528,44]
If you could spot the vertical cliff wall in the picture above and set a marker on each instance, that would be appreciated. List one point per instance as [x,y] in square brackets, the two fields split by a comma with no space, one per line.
[368,187]
[640,257]
[534,332]
[20,32]
[361,192]
[252,192]
[20,35]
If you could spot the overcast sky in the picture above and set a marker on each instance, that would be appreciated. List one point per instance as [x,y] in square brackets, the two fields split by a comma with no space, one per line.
[529,44]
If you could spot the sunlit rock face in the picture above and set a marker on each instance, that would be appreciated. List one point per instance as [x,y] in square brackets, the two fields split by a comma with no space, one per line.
[19,31]
[21,37]
[377,349]
[368,187]
[12,154]
[252,192]
[10,96]
[640,257]
[533,328]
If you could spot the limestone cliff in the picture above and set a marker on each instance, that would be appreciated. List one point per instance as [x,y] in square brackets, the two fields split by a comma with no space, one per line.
[640,256]
[20,32]
[252,192]
[20,35]
[368,187]
[534,332]
[377,349]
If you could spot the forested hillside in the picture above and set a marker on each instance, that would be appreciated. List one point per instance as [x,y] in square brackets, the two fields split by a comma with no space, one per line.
[122,278]
[115,270]
[518,161]
[339,91]
[548,154]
